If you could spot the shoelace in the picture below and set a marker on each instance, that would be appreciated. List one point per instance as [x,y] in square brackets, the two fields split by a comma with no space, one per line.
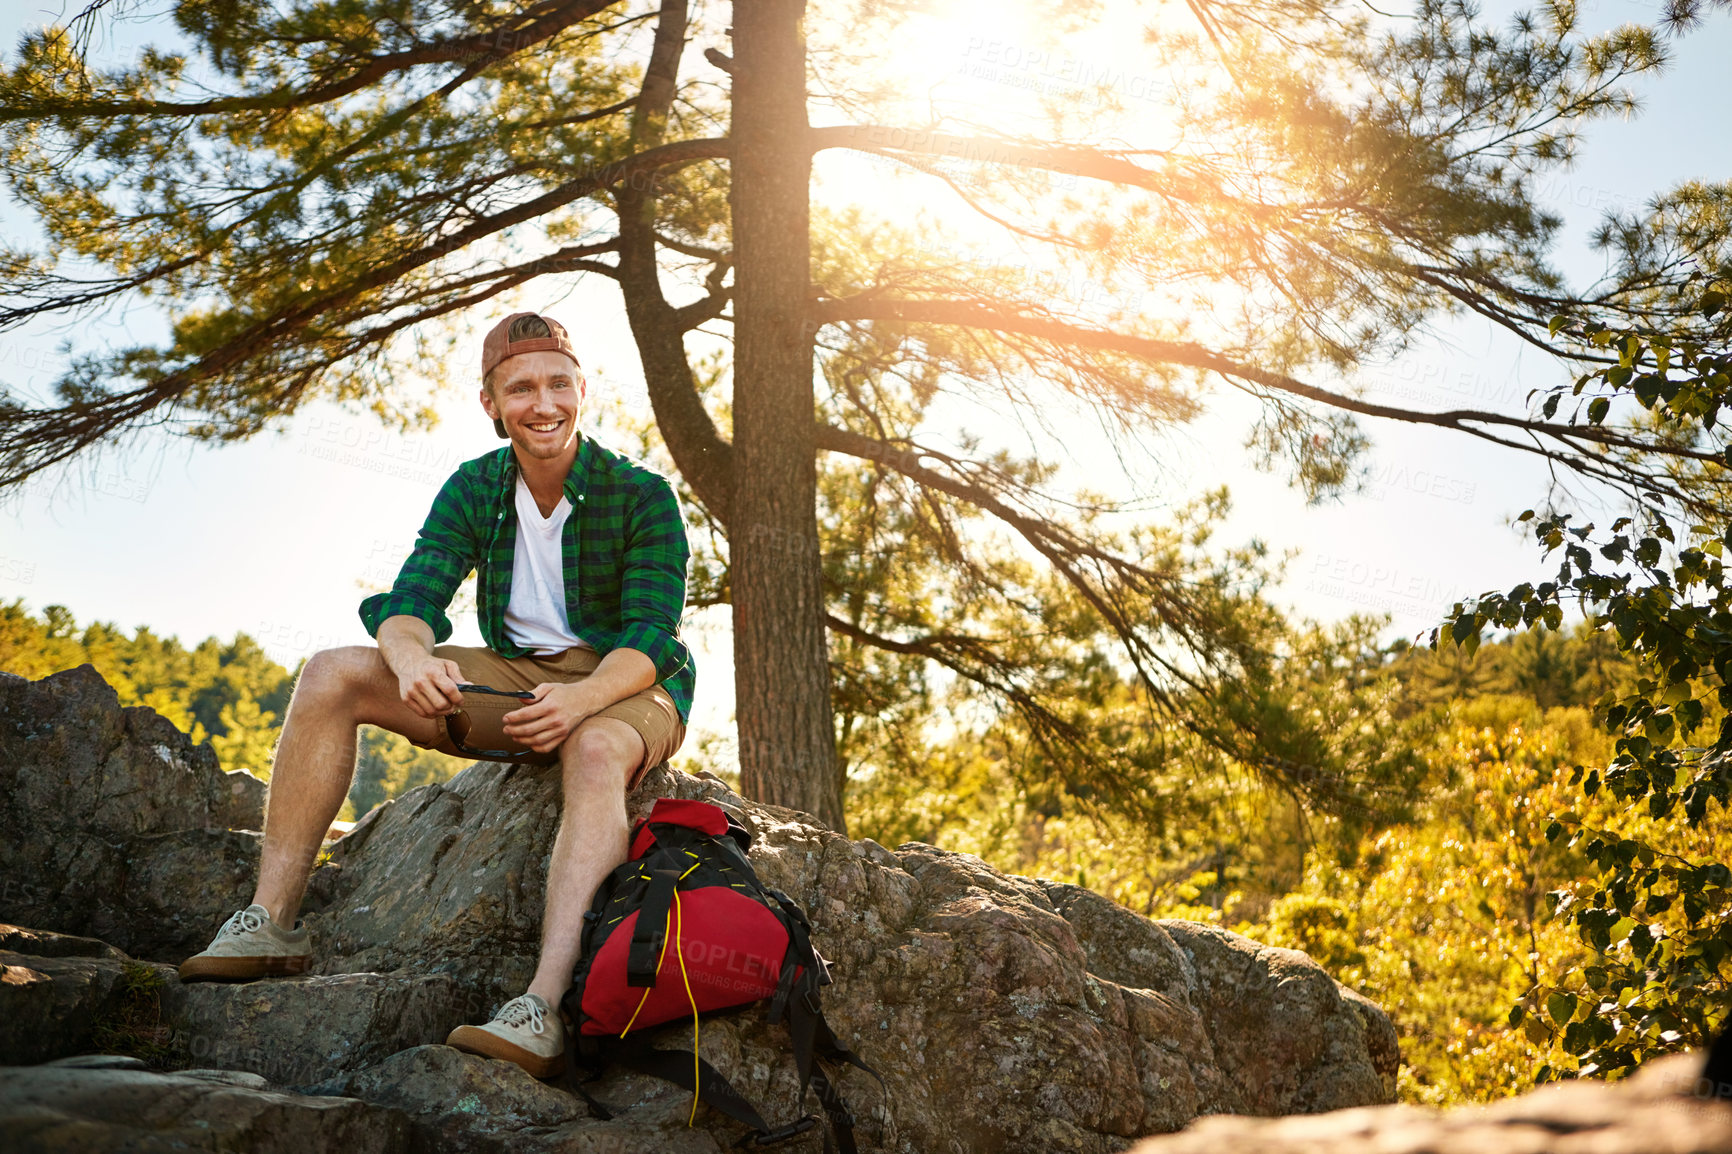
[523,1009]
[243,921]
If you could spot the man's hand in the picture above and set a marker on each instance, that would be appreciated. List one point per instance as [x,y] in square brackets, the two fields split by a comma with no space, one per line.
[557,710]
[428,686]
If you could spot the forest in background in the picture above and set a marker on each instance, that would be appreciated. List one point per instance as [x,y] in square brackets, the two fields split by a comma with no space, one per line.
[1430,898]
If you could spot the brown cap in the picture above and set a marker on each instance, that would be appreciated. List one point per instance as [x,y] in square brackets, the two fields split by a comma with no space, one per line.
[496,347]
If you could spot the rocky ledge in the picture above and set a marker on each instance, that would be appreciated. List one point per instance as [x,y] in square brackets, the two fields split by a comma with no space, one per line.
[1005,1013]
[1667,1107]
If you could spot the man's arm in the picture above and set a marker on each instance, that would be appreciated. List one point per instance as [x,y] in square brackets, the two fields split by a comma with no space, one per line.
[427,684]
[653,586]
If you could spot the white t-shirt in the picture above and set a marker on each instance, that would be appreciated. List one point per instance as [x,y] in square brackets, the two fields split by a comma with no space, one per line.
[535,616]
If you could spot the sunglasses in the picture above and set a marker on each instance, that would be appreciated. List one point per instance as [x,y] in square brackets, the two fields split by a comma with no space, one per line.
[459,725]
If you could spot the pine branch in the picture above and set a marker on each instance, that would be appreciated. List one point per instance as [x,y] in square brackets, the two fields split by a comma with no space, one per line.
[474,51]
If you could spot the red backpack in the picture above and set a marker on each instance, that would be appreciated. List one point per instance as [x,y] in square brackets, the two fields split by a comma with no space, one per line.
[683,928]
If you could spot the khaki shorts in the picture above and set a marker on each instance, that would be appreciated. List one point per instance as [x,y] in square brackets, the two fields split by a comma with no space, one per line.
[650,712]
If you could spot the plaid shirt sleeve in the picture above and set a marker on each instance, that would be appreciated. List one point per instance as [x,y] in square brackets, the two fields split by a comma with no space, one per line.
[443,556]
[653,589]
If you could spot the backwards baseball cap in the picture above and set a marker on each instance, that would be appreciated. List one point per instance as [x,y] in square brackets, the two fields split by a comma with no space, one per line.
[498,346]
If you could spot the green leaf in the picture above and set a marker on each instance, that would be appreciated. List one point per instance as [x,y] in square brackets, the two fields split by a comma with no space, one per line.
[1597,409]
[1561,1006]
[1712,302]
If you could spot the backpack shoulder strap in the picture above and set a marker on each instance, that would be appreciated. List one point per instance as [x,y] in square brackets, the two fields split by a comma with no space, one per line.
[797,1000]
[649,936]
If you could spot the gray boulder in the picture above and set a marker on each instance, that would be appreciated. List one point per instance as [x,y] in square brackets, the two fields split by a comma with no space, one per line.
[81,1110]
[50,1007]
[306,1030]
[113,824]
[65,999]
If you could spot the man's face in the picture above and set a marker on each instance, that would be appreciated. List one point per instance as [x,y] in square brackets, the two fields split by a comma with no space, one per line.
[538,396]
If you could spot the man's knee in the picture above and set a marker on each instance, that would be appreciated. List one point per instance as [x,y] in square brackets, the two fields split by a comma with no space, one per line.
[601,753]
[337,674]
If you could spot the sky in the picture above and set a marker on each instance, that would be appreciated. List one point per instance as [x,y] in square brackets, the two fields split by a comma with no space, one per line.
[280,537]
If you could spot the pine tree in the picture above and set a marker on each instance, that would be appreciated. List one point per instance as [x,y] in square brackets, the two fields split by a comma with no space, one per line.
[319,183]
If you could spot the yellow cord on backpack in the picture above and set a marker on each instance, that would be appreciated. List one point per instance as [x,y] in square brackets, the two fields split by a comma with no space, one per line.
[666,922]
[681,954]
[676,926]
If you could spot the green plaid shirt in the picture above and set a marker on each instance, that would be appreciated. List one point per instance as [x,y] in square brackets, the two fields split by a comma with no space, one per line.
[624,550]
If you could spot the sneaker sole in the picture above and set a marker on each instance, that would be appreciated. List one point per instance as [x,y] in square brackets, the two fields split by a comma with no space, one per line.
[220,969]
[475,1040]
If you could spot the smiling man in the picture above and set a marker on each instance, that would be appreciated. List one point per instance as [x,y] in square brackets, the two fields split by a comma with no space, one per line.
[582,556]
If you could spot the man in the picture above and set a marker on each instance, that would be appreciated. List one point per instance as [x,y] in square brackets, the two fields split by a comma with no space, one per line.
[582,561]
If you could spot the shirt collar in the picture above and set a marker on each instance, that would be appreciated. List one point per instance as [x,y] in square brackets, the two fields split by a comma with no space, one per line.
[576,481]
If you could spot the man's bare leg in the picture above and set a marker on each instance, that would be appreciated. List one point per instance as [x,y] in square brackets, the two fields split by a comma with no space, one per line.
[315,763]
[596,762]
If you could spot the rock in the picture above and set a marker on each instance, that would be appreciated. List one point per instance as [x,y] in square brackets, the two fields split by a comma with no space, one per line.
[459,1102]
[1287,1034]
[298,1031]
[70,995]
[243,802]
[1664,1109]
[66,1110]
[463,1104]
[100,1062]
[113,824]
[43,944]
[1003,1012]
[49,1007]
[290,1031]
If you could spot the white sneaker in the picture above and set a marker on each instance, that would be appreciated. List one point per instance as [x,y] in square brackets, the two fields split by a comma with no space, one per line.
[250,945]
[525,1030]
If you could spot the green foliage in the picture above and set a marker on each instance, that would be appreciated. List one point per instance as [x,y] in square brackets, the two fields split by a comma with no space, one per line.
[1657,910]
[1441,920]
[1549,667]
[229,692]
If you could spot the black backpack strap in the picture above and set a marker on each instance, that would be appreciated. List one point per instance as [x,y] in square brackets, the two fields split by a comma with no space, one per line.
[800,954]
[711,1087]
[596,1109]
[827,1045]
[649,936]
[836,1110]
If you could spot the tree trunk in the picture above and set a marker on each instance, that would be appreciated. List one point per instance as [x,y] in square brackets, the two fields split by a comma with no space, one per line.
[781,666]
[703,458]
